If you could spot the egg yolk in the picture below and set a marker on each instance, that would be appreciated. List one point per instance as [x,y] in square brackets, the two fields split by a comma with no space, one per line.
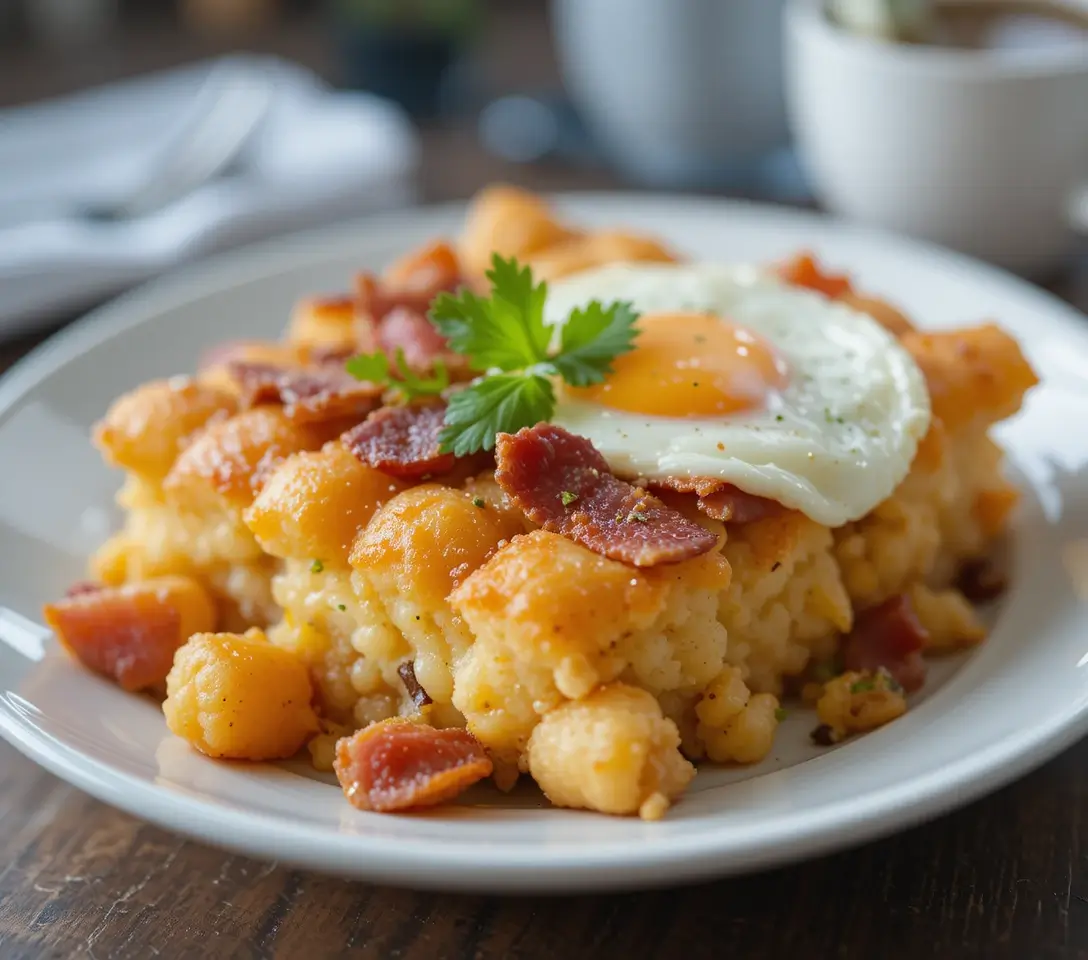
[689,365]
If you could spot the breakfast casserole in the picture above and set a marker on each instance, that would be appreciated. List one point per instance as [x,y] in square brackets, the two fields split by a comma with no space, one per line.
[544,501]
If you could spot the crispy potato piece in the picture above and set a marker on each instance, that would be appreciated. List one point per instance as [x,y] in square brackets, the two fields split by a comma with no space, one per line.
[400,765]
[415,551]
[552,621]
[226,466]
[553,603]
[613,751]
[975,376]
[323,322]
[596,250]
[130,633]
[431,267]
[510,222]
[888,316]
[736,725]
[993,508]
[427,540]
[786,603]
[239,697]
[144,430]
[858,701]
[315,503]
[950,622]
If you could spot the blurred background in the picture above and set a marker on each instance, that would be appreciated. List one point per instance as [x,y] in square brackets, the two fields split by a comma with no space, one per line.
[138,134]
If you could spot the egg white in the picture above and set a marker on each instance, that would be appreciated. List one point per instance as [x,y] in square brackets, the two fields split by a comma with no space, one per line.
[832,443]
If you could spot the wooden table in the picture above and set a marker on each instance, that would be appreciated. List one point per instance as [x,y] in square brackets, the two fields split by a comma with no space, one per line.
[1004,878]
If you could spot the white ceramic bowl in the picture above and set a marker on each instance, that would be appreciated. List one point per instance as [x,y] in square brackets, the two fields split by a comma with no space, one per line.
[676,90]
[982,151]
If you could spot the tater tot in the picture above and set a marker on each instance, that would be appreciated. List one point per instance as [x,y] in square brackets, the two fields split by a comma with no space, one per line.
[315,503]
[510,222]
[227,465]
[613,751]
[323,322]
[735,725]
[145,430]
[239,697]
[977,375]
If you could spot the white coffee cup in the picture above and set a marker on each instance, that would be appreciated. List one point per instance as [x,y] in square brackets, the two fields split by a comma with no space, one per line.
[983,151]
[675,89]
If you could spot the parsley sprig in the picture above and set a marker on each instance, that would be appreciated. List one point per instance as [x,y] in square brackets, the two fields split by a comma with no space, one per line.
[375,368]
[505,339]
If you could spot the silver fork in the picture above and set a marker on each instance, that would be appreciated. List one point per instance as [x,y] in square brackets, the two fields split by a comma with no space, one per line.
[227,110]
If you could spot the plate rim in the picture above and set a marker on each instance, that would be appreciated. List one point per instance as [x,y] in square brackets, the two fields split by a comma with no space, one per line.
[788,837]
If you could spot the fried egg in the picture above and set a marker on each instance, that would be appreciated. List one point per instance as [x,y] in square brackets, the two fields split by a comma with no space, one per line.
[740,377]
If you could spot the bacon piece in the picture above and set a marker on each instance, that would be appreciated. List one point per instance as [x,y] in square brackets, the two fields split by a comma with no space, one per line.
[561,482]
[407,673]
[309,394]
[735,506]
[803,271]
[890,636]
[411,331]
[130,633]
[981,581]
[399,765]
[723,501]
[377,300]
[401,441]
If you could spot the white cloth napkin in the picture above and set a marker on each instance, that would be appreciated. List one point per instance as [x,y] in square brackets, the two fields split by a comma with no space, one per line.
[319,155]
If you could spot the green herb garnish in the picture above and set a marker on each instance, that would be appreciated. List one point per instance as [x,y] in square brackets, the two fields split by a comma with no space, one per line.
[780,714]
[375,368]
[341,607]
[317,566]
[890,682]
[568,498]
[504,338]
[479,502]
[863,686]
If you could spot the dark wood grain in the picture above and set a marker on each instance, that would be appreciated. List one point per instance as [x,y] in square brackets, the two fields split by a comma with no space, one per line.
[1004,879]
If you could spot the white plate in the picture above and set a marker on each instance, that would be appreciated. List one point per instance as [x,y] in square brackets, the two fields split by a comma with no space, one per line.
[985,719]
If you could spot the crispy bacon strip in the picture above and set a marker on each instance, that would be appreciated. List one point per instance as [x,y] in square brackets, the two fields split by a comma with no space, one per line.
[723,501]
[309,394]
[561,482]
[377,299]
[399,765]
[889,636]
[130,633]
[803,271]
[402,441]
[411,331]
[393,309]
